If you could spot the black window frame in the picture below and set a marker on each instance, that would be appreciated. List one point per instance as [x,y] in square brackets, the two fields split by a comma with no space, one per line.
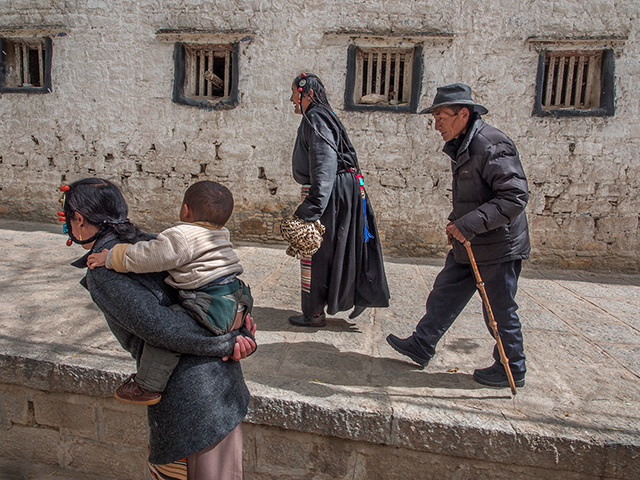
[225,103]
[46,83]
[416,85]
[607,90]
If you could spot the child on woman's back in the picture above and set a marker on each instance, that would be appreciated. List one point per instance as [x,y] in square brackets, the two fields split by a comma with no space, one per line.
[198,256]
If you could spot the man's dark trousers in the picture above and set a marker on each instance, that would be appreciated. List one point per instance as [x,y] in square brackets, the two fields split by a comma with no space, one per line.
[452,290]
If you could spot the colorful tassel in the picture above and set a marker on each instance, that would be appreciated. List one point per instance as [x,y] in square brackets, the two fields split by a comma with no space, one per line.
[366,236]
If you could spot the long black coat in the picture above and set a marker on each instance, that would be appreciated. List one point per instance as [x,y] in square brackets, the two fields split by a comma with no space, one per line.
[490,194]
[345,271]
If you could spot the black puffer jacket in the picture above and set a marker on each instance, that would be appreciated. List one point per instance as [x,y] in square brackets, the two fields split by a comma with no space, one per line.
[489,195]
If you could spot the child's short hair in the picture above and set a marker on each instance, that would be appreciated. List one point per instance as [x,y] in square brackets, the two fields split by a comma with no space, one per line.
[210,202]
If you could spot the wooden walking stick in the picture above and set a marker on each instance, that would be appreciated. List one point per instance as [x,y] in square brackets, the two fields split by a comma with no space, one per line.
[492,322]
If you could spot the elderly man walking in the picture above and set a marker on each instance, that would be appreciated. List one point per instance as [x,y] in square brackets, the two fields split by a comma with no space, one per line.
[489,194]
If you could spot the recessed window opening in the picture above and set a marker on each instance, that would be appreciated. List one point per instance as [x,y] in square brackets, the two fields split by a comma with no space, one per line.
[24,63]
[208,71]
[572,80]
[383,76]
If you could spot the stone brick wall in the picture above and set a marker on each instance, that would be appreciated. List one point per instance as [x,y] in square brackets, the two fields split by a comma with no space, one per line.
[64,415]
[75,432]
[103,438]
[110,114]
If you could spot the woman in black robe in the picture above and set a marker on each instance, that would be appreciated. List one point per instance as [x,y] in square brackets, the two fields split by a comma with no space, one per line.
[347,271]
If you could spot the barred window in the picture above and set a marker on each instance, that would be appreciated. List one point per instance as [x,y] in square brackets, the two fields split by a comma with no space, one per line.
[383,78]
[572,80]
[206,75]
[25,65]
[208,71]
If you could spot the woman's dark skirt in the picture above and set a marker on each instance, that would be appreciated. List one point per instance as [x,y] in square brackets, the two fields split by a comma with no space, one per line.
[345,271]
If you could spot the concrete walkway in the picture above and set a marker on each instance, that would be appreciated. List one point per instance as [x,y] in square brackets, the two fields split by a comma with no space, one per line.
[581,330]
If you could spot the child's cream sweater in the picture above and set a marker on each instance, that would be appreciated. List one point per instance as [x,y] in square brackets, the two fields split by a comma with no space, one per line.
[194,254]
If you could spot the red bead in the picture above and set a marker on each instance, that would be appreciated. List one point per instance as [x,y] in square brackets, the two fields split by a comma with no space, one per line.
[300,89]
[64,188]
[62,219]
[69,242]
[61,214]
[303,75]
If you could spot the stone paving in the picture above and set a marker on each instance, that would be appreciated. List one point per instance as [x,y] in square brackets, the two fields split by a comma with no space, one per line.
[581,330]
[582,340]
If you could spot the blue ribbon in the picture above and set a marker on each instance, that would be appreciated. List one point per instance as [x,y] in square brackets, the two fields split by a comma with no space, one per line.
[367,236]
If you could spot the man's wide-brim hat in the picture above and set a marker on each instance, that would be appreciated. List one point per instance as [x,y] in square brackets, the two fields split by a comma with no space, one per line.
[455,94]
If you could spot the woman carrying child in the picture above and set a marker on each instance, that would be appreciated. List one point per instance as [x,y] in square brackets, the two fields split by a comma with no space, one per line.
[197,254]
[195,430]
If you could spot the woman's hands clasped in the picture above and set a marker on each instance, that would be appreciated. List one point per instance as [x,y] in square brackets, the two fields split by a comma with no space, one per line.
[244,346]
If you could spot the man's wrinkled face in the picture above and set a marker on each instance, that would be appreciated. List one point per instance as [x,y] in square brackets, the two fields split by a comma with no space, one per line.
[450,124]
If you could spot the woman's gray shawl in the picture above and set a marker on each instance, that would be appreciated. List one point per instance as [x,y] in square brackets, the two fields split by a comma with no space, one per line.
[205,398]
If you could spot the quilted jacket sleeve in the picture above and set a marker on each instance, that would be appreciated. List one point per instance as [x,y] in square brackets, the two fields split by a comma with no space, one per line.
[503,173]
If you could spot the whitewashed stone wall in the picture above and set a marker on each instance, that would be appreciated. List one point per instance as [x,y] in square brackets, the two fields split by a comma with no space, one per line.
[111,115]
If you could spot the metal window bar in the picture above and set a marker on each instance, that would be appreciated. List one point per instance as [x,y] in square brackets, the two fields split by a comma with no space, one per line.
[571,80]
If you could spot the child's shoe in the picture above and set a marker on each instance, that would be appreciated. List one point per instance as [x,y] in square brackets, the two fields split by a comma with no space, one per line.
[132,392]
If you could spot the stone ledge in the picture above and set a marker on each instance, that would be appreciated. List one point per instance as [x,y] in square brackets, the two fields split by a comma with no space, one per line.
[474,438]
[433,432]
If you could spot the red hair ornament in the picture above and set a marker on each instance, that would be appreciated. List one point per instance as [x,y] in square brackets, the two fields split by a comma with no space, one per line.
[62,217]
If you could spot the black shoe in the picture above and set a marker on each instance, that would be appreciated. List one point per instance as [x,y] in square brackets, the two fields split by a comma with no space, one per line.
[495,376]
[302,321]
[404,347]
[357,310]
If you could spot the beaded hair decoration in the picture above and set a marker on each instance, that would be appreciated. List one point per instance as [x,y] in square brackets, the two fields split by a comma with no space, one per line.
[301,84]
[66,228]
